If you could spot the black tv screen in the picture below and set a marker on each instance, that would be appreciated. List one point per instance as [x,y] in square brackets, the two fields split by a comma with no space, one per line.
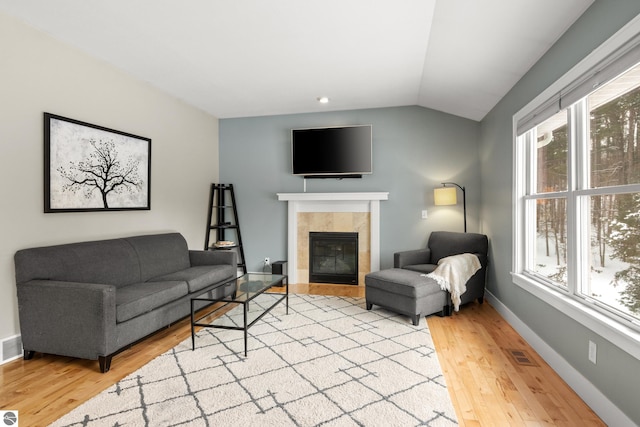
[332,151]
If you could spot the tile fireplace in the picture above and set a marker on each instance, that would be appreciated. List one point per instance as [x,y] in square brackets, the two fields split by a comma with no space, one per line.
[332,212]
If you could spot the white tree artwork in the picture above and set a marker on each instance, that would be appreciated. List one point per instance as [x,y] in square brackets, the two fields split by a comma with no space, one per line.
[94,168]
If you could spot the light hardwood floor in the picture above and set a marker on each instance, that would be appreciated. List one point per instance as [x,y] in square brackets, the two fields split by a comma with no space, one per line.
[487,386]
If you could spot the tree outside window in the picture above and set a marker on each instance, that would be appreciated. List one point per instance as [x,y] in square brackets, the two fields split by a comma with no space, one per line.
[605,197]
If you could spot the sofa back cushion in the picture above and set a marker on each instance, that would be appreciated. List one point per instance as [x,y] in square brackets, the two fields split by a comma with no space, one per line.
[111,262]
[160,254]
[448,243]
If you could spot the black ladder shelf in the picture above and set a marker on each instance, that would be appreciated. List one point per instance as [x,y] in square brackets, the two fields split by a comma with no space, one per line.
[218,221]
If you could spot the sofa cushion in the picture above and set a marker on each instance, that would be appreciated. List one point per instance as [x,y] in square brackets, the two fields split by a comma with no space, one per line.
[200,277]
[84,262]
[160,254]
[139,298]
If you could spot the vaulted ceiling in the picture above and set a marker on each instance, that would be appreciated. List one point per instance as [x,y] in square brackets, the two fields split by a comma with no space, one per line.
[239,58]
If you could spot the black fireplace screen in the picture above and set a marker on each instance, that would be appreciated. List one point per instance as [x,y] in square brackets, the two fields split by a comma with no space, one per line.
[333,258]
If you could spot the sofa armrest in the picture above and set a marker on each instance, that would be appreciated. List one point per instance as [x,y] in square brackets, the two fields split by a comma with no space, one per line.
[416,256]
[212,257]
[68,318]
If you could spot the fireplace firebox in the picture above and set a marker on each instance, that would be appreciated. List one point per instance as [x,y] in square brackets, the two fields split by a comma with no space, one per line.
[333,258]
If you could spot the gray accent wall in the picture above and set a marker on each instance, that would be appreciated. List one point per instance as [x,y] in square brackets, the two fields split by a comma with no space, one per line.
[616,374]
[414,149]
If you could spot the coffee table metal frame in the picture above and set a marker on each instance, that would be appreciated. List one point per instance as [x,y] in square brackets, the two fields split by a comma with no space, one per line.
[244,297]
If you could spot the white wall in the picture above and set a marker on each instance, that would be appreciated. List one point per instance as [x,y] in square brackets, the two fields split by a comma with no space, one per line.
[39,74]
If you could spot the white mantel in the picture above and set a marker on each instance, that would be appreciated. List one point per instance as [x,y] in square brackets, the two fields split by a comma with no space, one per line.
[332,202]
[333,196]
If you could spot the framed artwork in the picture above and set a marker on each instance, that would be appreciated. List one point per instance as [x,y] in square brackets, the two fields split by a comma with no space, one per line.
[93,168]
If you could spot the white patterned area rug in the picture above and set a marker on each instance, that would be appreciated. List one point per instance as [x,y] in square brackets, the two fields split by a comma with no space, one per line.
[329,362]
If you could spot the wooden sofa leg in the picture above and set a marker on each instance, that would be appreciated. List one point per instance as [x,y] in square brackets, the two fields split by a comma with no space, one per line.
[480,300]
[416,320]
[28,354]
[369,306]
[105,363]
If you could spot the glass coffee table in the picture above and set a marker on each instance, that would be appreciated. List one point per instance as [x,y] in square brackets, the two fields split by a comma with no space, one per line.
[250,292]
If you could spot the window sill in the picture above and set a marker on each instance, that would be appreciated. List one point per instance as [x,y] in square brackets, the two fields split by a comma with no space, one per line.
[624,337]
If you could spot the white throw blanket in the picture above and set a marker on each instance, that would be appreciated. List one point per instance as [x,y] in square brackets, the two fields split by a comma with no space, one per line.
[452,274]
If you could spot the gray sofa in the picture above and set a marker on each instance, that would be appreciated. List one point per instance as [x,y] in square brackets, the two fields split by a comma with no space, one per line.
[92,299]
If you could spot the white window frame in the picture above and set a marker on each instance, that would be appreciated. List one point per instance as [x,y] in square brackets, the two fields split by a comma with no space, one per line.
[624,334]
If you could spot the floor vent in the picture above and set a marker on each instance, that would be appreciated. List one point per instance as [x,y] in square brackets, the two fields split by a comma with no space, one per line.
[521,357]
[11,348]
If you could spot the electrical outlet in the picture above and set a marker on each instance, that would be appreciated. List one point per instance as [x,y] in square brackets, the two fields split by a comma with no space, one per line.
[593,350]
[424,214]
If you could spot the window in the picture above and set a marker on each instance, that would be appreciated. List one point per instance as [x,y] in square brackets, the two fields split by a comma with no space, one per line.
[548,162]
[577,190]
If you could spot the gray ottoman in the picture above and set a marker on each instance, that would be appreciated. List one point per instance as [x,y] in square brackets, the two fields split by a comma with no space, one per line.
[406,292]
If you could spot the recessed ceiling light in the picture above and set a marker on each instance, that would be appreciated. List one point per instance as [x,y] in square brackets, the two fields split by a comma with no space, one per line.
[323,99]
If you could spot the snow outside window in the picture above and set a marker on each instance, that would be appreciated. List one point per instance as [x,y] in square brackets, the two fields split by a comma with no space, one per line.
[578,202]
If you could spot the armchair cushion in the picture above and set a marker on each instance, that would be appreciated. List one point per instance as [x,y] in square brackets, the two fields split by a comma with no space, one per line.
[421,268]
[446,243]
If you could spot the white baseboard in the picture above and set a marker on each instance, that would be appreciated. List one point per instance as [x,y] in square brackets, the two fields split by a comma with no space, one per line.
[600,404]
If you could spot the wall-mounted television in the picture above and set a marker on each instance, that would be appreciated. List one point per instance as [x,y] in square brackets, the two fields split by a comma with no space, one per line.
[339,151]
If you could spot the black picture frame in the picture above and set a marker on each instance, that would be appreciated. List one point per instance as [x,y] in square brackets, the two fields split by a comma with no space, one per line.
[93,168]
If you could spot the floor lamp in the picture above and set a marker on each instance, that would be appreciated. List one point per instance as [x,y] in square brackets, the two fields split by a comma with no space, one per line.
[447,196]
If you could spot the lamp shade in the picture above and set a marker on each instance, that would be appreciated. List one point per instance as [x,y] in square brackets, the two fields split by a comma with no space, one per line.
[445,196]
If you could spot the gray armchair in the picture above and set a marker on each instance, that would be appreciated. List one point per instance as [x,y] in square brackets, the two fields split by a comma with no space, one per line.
[443,244]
